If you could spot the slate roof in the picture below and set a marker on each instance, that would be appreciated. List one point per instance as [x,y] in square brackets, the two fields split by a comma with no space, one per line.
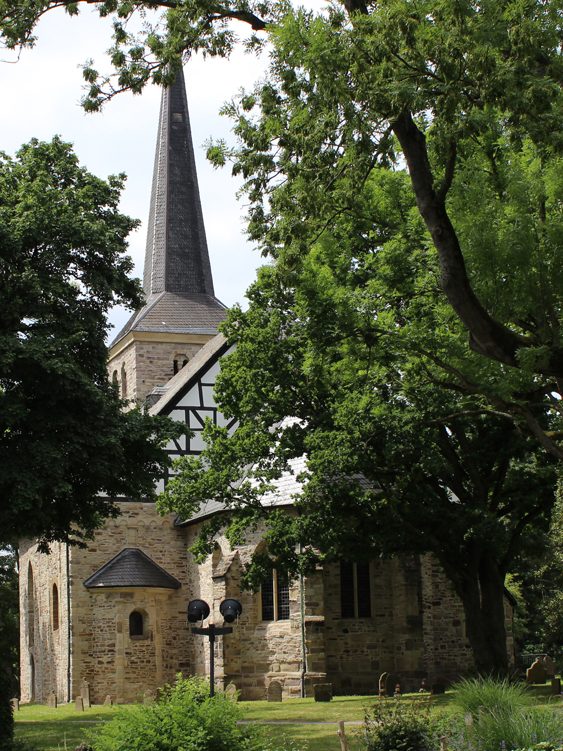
[131,568]
[177,278]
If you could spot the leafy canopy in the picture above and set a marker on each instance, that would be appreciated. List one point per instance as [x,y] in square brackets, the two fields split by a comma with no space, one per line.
[66,446]
[359,84]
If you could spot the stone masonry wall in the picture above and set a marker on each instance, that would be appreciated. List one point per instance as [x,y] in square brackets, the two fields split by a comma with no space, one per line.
[43,640]
[150,363]
[446,649]
[103,652]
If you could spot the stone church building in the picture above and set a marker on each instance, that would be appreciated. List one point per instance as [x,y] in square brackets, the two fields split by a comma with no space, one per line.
[114,614]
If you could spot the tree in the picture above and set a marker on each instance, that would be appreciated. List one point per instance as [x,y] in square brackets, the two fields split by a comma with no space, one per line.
[67,448]
[354,86]
[354,341]
[9,640]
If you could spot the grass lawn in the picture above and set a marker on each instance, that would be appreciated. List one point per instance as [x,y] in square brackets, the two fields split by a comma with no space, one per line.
[310,724]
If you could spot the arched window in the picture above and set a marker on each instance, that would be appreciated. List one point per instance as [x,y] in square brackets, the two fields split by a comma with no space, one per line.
[136,624]
[55,608]
[114,379]
[180,359]
[30,607]
[123,382]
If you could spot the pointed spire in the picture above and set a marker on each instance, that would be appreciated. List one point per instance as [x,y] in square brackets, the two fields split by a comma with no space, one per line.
[176,258]
[177,276]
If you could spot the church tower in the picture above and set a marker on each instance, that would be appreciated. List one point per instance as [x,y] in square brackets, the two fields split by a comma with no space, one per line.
[181,312]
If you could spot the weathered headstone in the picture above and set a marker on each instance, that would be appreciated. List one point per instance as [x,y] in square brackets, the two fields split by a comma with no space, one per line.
[556,686]
[107,701]
[274,691]
[149,696]
[536,673]
[52,700]
[231,691]
[85,693]
[549,666]
[79,704]
[322,691]
[382,686]
[15,704]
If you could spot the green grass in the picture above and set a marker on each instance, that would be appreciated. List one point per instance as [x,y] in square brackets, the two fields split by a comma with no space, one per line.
[62,729]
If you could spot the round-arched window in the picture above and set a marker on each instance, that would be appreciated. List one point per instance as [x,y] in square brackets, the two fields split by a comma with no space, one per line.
[136,624]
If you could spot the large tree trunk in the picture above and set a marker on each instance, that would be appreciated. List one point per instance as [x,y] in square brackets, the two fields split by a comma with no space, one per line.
[481,590]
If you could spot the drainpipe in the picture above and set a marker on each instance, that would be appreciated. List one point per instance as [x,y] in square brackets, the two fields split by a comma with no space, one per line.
[303,642]
[68,629]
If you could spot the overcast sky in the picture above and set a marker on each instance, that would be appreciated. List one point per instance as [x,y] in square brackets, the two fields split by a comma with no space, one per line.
[40,96]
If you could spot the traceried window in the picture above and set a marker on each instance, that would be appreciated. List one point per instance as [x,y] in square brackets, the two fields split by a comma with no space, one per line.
[275,597]
[136,624]
[55,607]
[355,590]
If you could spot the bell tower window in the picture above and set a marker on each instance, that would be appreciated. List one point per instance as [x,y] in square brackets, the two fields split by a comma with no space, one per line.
[180,359]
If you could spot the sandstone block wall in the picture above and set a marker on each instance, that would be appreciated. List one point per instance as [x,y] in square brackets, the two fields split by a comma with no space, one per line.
[104,654]
[148,363]
[44,654]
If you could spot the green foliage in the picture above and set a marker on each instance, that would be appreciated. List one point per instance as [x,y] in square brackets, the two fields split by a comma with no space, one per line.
[184,717]
[490,695]
[66,446]
[393,725]
[503,717]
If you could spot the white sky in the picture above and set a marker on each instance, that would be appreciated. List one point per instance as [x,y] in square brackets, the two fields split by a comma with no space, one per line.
[40,98]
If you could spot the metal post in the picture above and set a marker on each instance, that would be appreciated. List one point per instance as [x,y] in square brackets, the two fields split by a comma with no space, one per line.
[211,659]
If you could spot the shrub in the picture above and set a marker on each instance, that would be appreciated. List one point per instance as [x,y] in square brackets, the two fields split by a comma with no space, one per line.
[184,718]
[489,694]
[394,725]
[502,718]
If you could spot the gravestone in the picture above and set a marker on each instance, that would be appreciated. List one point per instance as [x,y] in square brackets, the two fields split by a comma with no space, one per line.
[85,693]
[274,691]
[536,673]
[79,704]
[556,686]
[149,696]
[397,691]
[52,700]
[322,691]
[549,666]
[107,701]
[423,686]
[382,686]
[15,704]
[231,691]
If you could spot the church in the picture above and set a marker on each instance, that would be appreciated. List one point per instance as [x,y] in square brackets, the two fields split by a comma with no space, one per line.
[112,616]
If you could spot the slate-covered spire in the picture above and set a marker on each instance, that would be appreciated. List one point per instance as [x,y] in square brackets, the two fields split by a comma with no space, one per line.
[176,258]
[177,275]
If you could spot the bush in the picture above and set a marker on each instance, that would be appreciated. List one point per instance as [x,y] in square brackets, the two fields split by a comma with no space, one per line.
[394,725]
[502,718]
[184,718]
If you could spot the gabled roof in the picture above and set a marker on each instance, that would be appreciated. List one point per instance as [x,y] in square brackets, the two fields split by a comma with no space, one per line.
[177,278]
[131,568]
[182,381]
